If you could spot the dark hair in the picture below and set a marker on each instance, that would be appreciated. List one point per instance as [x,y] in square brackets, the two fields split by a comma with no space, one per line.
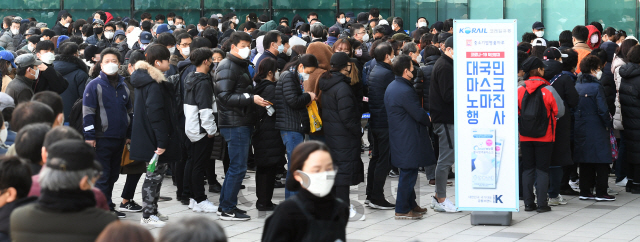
[134,23]
[374,45]
[250,25]
[160,17]
[299,156]
[633,55]
[75,39]
[7,113]
[307,60]
[538,51]
[338,14]
[77,25]
[308,15]
[270,37]
[103,15]
[266,65]
[401,63]
[45,45]
[553,43]
[136,55]
[110,51]
[570,62]
[299,49]
[183,36]
[29,141]
[528,37]
[609,31]
[521,57]
[581,33]
[124,231]
[374,12]
[619,34]
[166,39]
[625,47]
[212,35]
[31,112]
[156,52]
[199,42]
[60,133]
[171,15]
[4,68]
[22,70]
[382,50]
[600,53]
[399,21]
[589,64]
[199,55]
[87,30]
[14,173]
[598,26]
[145,15]
[448,24]
[121,25]
[7,20]
[236,37]
[565,38]
[51,99]
[431,50]
[203,21]
[219,51]
[110,24]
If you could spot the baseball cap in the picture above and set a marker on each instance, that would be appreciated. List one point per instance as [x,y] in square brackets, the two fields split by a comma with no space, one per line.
[34,39]
[145,37]
[253,17]
[443,36]
[6,101]
[72,155]
[539,42]
[163,28]
[438,26]
[119,32]
[363,18]
[6,55]
[532,63]
[27,60]
[401,37]
[31,31]
[340,60]
[449,42]
[98,22]
[553,53]
[335,31]
[349,15]
[537,26]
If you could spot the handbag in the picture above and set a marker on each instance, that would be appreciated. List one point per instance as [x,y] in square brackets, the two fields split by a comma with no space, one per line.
[315,123]
[125,156]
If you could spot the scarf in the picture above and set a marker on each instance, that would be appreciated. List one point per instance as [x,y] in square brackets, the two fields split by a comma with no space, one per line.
[66,200]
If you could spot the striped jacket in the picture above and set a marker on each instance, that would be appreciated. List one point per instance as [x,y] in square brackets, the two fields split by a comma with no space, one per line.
[106,111]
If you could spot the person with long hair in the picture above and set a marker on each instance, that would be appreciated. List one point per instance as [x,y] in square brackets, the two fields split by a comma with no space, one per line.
[629,100]
[7,68]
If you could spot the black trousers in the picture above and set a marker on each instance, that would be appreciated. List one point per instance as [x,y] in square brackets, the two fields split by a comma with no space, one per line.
[129,188]
[569,173]
[265,182]
[379,166]
[179,173]
[536,157]
[341,192]
[195,169]
[593,174]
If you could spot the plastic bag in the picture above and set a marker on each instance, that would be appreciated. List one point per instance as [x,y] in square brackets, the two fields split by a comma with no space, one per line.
[152,164]
[315,123]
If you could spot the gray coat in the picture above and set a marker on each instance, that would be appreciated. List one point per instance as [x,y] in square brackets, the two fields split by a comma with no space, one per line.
[6,41]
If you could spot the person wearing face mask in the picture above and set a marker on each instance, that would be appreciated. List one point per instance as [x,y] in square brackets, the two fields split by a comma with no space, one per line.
[340,21]
[7,68]
[315,214]
[98,32]
[341,125]
[422,23]
[397,26]
[15,180]
[272,43]
[7,41]
[65,210]
[107,38]
[20,88]
[592,133]
[31,43]
[49,79]
[538,29]
[74,71]
[182,49]
[285,55]
[359,33]
[594,40]
[107,98]
[580,35]
[62,26]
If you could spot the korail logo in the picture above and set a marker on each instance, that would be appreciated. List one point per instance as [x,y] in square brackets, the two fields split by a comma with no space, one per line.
[469,30]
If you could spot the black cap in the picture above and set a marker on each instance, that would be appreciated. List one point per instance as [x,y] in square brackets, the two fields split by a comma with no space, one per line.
[34,39]
[48,32]
[532,63]
[438,26]
[72,155]
[145,25]
[340,59]
[443,36]
[253,17]
[363,18]
[553,53]
[537,26]
[449,42]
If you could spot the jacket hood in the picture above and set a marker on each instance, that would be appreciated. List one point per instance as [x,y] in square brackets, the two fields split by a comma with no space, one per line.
[184,63]
[144,74]
[336,77]
[551,69]
[268,26]
[67,64]
[431,60]
[322,52]
[629,70]
[534,82]
[593,30]
[617,62]
[193,79]
[587,78]
[262,85]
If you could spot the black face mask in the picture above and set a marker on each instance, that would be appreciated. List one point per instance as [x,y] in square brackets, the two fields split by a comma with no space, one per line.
[97,30]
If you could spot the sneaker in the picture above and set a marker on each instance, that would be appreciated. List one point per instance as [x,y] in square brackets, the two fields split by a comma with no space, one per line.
[152,220]
[611,192]
[130,206]
[446,206]
[383,205]
[164,199]
[411,215]
[119,214]
[247,176]
[215,187]
[575,185]
[557,201]
[543,209]
[622,183]
[269,207]
[419,210]
[205,207]
[367,202]
[192,202]
[219,212]
[234,216]
[353,213]
[434,202]
[162,217]
[393,174]
[605,198]
[432,183]
[569,192]
[588,197]
[530,207]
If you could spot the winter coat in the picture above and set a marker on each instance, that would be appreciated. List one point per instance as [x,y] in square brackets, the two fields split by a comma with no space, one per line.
[427,69]
[323,53]
[6,41]
[366,70]
[106,110]
[198,106]
[564,83]
[418,81]
[441,91]
[267,144]
[234,93]
[593,31]
[76,73]
[283,59]
[615,69]
[410,146]
[583,50]
[341,125]
[50,80]
[630,110]
[59,29]
[609,88]
[592,122]
[551,69]
[553,104]
[154,118]
[379,78]
[291,104]
[20,89]
[5,215]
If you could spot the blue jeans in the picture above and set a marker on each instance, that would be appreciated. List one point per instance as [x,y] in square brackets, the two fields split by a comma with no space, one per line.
[406,197]
[238,141]
[291,139]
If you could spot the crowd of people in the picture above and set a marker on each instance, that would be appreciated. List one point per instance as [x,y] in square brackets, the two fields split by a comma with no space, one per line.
[90,99]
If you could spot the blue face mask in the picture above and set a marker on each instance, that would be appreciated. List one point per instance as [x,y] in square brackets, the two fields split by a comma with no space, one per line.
[281,48]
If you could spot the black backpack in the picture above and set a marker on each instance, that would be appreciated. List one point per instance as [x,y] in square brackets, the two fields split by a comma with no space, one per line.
[533,120]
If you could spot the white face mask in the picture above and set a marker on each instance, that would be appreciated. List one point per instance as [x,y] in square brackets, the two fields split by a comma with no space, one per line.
[318,184]
[108,34]
[422,24]
[3,135]
[179,26]
[172,49]
[84,37]
[365,38]
[342,20]
[540,34]
[37,74]
[599,75]
[305,76]
[244,52]
[47,58]
[170,22]
[186,51]
[66,25]
[288,52]
[236,21]
[110,68]
[594,38]
[30,47]
[419,58]
[14,31]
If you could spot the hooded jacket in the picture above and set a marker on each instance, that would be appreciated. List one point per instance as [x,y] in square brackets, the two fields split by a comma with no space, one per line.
[630,110]
[76,73]
[594,31]
[427,69]
[441,91]
[59,29]
[583,50]
[615,69]
[154,118]
[234,93]
[323,53]
[565,85]
[267,143]
[553,104]
[268,26]
[379,78]
[106,110]
[341,125]
[592,122]
[290,103]
[198,106]
[50,80]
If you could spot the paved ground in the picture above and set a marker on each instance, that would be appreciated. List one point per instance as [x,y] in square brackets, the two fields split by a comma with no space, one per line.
[576,221]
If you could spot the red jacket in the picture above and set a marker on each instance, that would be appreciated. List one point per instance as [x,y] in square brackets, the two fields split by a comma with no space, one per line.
[552,101]
[594,31]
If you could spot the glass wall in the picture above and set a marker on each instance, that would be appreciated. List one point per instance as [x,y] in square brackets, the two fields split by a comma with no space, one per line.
[455,9]
[556,18]
[411,10]
[620,14]
[486,9]
[85,9]
[526,12]
[288,8]
[188,9]
[43,10]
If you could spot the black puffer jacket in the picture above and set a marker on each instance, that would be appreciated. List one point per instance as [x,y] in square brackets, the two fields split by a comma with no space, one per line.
[630,108]
[418,81]
[76,73]
[267,143]
[291,104]
[154,118]
[233,88]
[50,80]
[426,71]
[551,69]
[341,125]
[441,91]
[609,87]
[565,86]
[379,78]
